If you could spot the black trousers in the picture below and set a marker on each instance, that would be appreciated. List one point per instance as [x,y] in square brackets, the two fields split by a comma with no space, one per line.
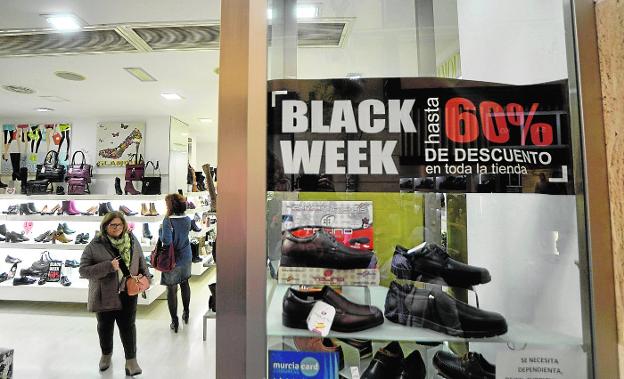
[125,318]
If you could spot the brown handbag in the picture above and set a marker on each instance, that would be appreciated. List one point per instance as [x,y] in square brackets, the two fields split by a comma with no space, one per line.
[137,284]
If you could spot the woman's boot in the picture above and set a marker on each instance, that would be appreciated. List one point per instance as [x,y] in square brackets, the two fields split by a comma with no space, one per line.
[129,189]
[118,186]
[132,367]
[175,323]
[105,361]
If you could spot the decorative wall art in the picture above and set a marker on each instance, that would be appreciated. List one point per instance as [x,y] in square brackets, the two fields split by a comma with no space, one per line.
[118,141]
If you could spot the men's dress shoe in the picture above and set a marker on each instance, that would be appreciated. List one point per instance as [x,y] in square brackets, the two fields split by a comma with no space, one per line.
[65,282]
[386,364]
[350,317]
[4,276]
[365,347]
[10,259]
[469,366]
[24,280]
[430,263]
[320,345]
[413,367]
[30,272]
[321,250]
[434,309]
[194,226]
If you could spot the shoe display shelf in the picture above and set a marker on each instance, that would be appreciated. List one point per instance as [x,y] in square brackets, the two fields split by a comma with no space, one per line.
[206,264]
[77,292]
[517,333]
[19,198]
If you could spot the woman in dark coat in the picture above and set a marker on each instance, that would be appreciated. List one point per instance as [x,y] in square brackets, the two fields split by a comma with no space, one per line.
[100,263]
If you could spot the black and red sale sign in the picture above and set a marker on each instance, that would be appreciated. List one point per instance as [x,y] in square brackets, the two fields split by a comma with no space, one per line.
[385,135]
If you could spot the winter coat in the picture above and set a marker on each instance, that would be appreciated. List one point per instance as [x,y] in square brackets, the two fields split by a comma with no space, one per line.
[104,283]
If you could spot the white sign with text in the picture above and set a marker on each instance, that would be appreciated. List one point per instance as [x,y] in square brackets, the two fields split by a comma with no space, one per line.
[541,364]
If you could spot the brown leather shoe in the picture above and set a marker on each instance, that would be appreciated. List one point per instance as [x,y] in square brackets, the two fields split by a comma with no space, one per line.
[319,344]
[61,237]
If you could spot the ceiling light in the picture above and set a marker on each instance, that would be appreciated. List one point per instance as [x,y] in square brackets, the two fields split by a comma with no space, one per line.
[206,120]
[303,11]
[140,74]
[63,22]
[18,89]
[171,96]
[44,109]
[68,75]
[54,99]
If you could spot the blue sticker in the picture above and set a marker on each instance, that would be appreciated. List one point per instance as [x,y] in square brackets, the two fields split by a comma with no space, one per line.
[302,365]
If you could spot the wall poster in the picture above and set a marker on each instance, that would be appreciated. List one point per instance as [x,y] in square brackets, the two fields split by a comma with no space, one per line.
[118,141]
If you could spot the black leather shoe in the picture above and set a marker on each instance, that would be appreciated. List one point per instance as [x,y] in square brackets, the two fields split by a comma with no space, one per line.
[10,259]
[430,263]
[350,317]
[4,276]
[31,207]
[321,250]
[413,367]
[24,280]
[30,272]
[470,366]
[109,207]
[25,210]
[102,209]
[386,364]
[434,309]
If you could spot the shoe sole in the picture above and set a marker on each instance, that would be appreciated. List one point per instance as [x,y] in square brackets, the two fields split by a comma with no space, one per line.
[410,320]
[300,324]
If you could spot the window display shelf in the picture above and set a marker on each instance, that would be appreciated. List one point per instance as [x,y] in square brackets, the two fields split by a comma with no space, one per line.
[200,210]
[76,293]
[107,197]
[77,218]
[518,333]
[56,246]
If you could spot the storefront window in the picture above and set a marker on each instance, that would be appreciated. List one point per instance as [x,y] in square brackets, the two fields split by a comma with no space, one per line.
[421,192]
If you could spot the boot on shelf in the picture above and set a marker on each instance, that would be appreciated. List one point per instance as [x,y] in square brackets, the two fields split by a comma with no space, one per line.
[32,208]
[102,210]
[61,237]
[118,186]
[152,210]
[144,210]
[25,210]
[195,227]
[129,189]
[69,208]
[62,227]
[147,234]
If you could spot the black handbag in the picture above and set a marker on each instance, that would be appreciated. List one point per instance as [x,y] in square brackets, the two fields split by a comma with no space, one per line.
[38,187]
[50,168]
[151,184]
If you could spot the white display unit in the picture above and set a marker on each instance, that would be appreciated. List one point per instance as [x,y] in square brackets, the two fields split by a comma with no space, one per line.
[35,224]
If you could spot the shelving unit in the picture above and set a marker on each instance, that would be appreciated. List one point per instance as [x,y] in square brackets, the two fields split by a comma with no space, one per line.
[518,333]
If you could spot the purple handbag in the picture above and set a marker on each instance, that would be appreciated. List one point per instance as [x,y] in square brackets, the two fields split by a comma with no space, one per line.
[137,170]
[80,170]
[77,186]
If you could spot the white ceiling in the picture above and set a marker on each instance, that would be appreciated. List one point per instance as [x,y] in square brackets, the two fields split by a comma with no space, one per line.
[381,42]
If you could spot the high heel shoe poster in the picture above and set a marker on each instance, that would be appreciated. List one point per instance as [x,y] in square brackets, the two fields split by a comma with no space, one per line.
[26,145]
[116,141]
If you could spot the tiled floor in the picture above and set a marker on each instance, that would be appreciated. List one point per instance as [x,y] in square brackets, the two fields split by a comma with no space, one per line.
[53,340]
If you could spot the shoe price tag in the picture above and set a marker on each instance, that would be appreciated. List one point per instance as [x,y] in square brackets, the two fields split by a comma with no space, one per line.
[321,318]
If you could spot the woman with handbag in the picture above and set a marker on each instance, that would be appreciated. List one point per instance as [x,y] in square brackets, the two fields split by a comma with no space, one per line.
[175,229]
[114,264]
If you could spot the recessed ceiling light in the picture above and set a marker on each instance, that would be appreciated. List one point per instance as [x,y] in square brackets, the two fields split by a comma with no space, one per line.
[171,96]
[64,22]
[18,89]
[303,11]
[44,109]
[140,74]
[206,120]
[68,75]
[54,99]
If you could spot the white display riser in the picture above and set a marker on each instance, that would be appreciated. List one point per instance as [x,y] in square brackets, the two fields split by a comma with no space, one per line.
[517,333]
[198,269]
[76,293]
